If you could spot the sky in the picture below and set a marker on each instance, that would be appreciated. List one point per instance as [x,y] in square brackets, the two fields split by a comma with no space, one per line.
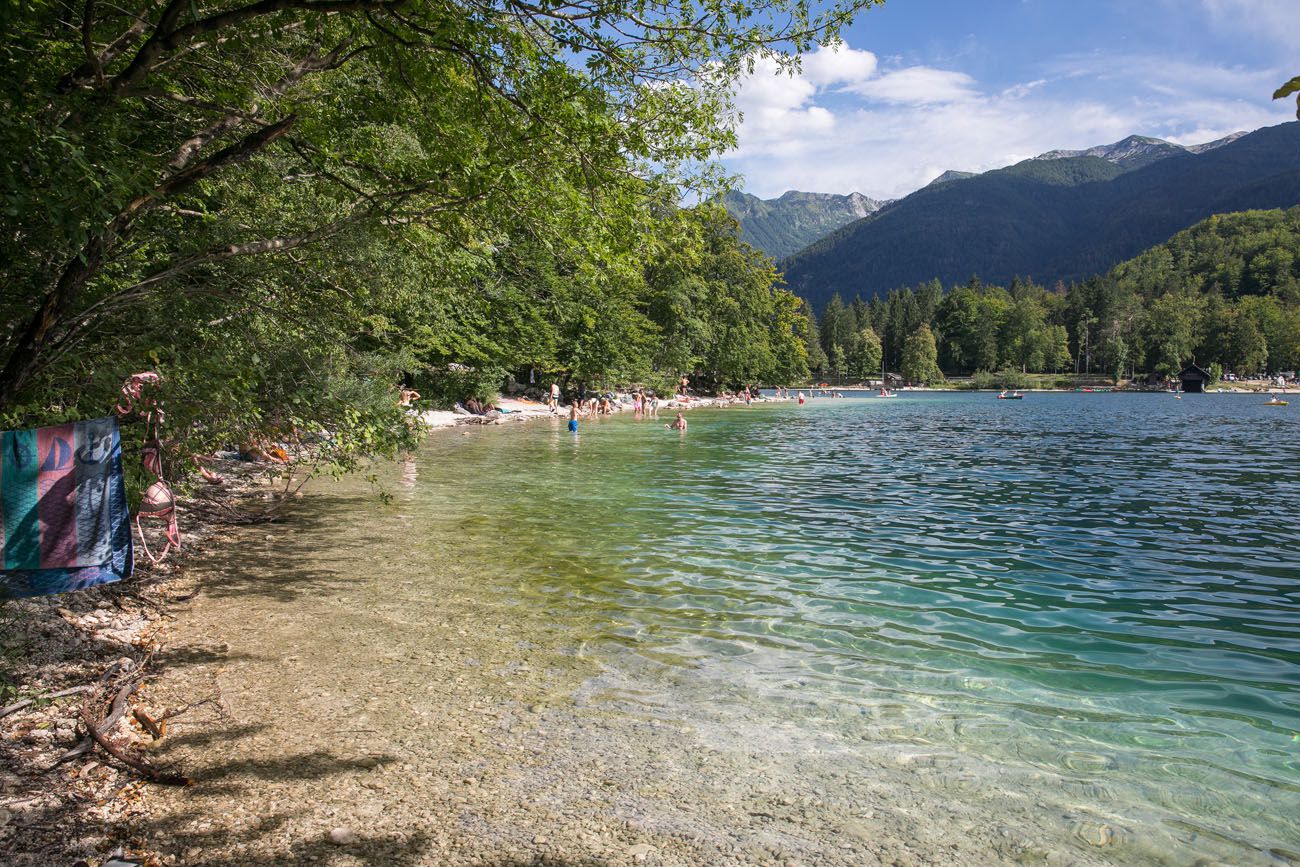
[921,86]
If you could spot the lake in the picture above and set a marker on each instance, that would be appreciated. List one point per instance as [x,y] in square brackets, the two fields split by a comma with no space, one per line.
[1062,629]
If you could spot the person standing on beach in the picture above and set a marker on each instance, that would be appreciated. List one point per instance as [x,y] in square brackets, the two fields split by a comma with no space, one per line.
[573,416]
[555,397]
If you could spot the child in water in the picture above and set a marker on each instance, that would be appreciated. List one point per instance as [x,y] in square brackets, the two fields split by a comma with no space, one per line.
[573,416]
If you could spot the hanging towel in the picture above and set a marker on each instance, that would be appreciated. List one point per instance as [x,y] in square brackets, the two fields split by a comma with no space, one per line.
[64,523]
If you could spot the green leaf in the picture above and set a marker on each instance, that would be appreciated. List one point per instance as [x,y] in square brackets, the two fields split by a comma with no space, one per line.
[1292,86]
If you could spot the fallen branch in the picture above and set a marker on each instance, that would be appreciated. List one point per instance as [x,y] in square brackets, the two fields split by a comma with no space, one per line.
[214,700]
[148,772]
[147,721]
[115,713]
[27,702]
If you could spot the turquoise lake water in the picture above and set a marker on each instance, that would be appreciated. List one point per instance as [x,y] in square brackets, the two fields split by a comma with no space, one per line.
[1089,602]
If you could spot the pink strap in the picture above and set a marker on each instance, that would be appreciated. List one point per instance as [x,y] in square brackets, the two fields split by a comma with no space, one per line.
[135,400]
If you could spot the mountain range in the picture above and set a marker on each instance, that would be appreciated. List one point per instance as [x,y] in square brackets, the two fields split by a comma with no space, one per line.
[1065,215]
[791,222]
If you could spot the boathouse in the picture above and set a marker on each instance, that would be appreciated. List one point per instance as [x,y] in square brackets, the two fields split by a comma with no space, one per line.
[1194,379]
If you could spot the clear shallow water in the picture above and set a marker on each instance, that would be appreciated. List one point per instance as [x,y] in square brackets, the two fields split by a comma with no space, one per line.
[1079,609]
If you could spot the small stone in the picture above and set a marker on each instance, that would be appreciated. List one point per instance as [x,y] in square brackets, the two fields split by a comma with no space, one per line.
[342,836]
[540,839]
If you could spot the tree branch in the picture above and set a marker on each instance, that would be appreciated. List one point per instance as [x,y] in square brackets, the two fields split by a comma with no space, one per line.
[167,38]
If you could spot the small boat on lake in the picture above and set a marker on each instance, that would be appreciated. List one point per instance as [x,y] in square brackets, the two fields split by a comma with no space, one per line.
[1015,395]
[1274,400]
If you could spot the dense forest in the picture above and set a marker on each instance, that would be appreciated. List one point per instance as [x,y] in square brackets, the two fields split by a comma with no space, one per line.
[1058,219]
[1224,293]
[289,207]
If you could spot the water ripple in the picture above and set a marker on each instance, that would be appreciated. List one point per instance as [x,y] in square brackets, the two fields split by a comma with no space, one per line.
[1100,585]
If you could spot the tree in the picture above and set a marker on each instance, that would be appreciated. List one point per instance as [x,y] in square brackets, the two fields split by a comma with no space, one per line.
[789,356]
[1056,349]
[839,360]
[1022,333]
[168,150]
[1247,348]
[1172,322]
[920,358]
[865,359]
[832,324]
[816,356]
[1292,86]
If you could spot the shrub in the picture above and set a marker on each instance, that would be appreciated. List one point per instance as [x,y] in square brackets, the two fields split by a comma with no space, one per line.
[442,388]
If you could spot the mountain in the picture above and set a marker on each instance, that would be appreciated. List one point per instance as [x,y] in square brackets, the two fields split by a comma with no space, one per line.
[950,175]
[1139,150]
[1130,153]
[1217,143]
[787,224]
[1064,218]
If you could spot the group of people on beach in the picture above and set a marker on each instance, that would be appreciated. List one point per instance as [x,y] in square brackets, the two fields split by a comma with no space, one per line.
[645,404]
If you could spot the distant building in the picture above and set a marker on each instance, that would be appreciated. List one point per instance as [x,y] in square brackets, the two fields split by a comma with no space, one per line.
[1194,379]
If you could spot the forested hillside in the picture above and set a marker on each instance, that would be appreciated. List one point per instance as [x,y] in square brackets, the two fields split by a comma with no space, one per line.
[1060,219]
[794,220]
[1224,293]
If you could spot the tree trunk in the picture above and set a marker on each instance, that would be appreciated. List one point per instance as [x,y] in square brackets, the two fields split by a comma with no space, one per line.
[25,355]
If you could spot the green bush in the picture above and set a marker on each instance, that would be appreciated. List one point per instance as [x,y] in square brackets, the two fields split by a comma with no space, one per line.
[457,382]
[1003,379]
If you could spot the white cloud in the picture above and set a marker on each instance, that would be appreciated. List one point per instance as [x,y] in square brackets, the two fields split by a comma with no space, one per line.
[846,124]
[918,85]
[828,66]
[1273,21]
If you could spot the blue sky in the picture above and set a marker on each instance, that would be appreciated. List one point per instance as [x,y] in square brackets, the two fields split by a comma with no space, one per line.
[921,86]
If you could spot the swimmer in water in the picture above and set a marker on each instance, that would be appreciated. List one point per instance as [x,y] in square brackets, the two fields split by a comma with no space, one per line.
[679,423]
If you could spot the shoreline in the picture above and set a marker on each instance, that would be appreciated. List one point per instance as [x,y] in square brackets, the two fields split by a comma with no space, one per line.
[63,800]
[61,797]
[376,711]
[478,713]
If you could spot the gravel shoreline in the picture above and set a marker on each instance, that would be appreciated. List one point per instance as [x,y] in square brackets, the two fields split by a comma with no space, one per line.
[61,801]
[338,716]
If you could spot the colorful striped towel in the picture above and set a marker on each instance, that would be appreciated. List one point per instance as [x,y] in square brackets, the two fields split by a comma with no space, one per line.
[64,523]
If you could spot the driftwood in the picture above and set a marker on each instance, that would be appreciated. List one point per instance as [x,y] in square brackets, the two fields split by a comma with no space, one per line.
[144,769]
[97,730]
[115,713]
[154,729]
[27,702]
